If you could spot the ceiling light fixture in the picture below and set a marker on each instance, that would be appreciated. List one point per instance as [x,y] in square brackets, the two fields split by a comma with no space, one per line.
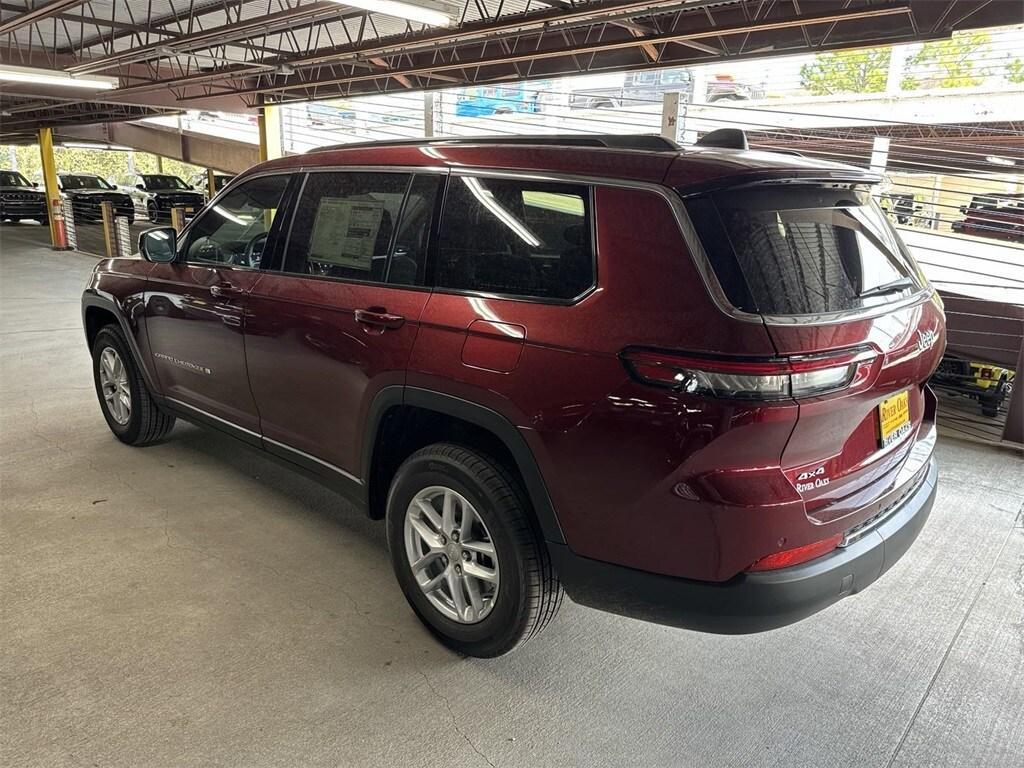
[54,77]
[997,160]
[93,145]
[402,11]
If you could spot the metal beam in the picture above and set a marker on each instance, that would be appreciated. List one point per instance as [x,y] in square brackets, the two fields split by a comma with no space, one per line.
[98,21]
[37,14]
[593,48]
[215,36]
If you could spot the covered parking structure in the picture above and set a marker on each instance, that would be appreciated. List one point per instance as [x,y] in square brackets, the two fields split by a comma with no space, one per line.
[194,603]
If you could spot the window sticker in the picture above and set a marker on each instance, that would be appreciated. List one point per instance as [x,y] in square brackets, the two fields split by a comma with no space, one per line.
[345,231]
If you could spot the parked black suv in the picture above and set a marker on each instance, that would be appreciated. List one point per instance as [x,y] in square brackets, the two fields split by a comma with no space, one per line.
[20,199]
[85,193]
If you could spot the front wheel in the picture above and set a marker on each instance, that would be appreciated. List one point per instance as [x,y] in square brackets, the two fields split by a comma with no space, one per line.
[154,214]
[131,413]
[465,553]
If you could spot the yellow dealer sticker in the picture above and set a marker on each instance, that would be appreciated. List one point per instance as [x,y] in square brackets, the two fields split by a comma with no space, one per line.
[894,418]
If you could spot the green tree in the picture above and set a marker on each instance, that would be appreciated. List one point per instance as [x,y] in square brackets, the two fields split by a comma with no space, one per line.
[949,63]
[858,71]
[1015,71]
[111,165]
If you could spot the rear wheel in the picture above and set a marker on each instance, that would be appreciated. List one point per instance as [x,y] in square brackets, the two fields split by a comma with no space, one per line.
[131,413]
[465,553]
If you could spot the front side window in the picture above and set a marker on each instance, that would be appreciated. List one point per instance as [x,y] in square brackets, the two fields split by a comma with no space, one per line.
[516,237]
[235,230]
[13,179]
[344,224]
[162,181]
[803,249]
[84,182]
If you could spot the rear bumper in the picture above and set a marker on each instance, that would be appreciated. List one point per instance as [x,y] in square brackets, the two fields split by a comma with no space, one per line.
[751,602]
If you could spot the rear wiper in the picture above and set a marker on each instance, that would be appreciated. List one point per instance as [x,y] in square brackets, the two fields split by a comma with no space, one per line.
[893,287]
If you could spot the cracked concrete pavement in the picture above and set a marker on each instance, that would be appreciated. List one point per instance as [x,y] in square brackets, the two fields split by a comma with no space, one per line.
[194,603]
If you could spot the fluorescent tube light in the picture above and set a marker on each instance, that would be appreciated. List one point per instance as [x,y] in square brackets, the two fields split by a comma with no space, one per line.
[997,160]
[93,145]
[54,77]
[402,11]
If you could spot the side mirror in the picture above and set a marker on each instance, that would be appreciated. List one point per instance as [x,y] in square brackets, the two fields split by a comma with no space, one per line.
[159,244]
[191,186]
[139,186]
[35,183]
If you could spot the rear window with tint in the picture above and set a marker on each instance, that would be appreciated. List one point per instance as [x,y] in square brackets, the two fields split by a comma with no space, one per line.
[801,249]
[516,237]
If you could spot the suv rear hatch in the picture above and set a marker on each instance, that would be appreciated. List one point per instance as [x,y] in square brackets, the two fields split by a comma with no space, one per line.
[820,265]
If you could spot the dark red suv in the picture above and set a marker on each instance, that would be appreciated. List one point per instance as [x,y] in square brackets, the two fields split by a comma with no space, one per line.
[685,385]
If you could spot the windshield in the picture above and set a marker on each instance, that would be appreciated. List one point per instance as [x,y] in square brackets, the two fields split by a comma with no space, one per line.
[803,250]
[161,181]
[83,182]
[13,179]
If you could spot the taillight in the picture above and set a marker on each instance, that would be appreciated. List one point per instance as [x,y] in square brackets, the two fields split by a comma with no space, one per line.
[798,555]
[753,379]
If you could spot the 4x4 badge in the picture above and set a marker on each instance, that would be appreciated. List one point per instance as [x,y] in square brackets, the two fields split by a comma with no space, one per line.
[926,339]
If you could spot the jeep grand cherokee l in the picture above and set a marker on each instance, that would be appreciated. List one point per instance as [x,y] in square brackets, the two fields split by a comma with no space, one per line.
[158,193]
[685,385]
[21,199]
[86,193]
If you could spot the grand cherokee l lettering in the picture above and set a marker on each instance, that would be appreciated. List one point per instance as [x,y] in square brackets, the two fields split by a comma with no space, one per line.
[684,385]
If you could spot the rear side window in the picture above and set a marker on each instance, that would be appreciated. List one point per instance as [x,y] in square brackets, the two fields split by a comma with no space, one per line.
[344,224]
[516,237]
[802,250]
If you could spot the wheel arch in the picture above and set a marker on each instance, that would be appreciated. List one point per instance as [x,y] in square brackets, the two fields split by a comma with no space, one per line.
[404,419]
[99,311]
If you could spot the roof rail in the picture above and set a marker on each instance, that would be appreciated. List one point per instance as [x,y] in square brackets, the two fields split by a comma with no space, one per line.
[651,142]
[726,138]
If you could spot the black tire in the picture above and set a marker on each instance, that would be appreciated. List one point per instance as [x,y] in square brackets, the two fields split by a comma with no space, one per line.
[43,220]
[146,423]
[529,593]
[152,212]
[990,404]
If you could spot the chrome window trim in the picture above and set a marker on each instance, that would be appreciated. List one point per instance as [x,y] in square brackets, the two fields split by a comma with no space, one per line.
[237,180]
[353,169]
[554,178]
[676,203]
[703,263]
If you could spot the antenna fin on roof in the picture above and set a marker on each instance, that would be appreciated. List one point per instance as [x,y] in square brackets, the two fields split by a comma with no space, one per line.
[726,138]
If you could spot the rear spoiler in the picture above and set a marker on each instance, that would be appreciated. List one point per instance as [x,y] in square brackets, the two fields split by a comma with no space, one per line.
[782,176]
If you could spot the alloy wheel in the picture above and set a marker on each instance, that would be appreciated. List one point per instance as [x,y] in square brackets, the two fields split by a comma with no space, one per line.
[117,394]
[451,554]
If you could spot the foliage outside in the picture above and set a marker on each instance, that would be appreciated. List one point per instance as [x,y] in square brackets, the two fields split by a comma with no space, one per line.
[111,165]
[1015,71]
[957,62]
[859,71]
[950,63]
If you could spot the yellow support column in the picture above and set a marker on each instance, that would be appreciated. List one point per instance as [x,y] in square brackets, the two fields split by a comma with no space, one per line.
[159,164]
[270,132]
[57,233]
[211,184]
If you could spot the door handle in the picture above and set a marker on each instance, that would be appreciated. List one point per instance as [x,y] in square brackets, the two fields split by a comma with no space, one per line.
[225,290]
[379,318]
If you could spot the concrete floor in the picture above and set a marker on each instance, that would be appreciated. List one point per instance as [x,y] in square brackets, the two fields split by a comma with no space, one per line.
[195,604]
